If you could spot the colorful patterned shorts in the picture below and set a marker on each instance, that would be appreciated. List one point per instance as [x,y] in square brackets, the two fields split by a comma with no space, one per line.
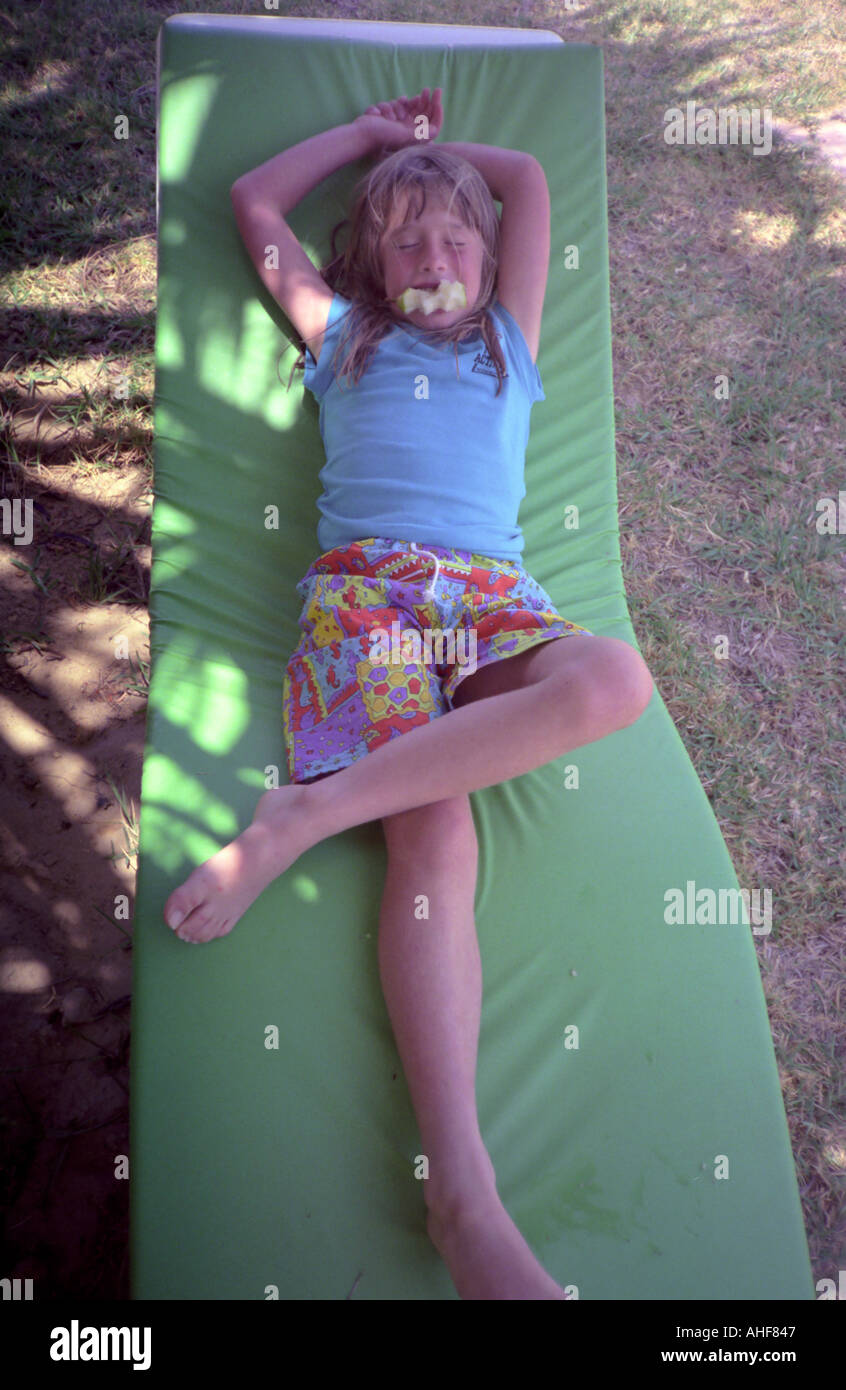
[390,629]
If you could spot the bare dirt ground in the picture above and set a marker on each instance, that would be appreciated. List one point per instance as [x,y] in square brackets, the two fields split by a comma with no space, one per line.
[827,139]
[73,733]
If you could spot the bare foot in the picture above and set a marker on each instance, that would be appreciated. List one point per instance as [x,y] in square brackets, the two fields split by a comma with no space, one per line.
[487,1257]
[215,895]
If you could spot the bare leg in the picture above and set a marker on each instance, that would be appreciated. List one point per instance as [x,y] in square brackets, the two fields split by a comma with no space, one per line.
[431,973]
[432,979]
[486,742]
[593,693]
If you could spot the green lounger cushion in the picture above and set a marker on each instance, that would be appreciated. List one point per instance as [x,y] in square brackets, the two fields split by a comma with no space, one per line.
[272,1135]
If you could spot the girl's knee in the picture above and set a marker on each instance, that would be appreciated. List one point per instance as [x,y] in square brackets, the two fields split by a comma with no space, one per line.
[622,668]
[439,829]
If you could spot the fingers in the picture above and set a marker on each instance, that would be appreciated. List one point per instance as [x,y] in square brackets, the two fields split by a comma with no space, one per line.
[429,100]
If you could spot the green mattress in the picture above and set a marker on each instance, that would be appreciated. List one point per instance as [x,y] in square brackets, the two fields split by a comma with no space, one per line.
[627,1086]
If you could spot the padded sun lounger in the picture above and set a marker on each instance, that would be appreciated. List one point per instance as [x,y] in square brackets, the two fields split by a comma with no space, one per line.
[627,1085]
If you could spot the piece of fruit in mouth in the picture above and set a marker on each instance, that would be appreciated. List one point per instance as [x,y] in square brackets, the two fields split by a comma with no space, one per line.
[450,294]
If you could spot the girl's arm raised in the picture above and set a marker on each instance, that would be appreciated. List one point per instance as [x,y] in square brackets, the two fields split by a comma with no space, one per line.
[283,182]
[499,168]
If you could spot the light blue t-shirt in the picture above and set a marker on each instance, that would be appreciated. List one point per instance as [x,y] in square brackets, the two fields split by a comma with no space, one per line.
[448,469]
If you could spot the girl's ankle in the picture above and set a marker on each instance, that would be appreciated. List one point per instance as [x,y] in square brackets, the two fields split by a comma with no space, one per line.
[469,1187]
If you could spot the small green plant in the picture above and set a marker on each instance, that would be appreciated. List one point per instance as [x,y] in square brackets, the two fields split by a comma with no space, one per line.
[9,645]
[141,685]
[46,583]
[130,829]
[101,573]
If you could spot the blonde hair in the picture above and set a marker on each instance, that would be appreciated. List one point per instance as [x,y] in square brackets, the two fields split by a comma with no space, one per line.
[357,272]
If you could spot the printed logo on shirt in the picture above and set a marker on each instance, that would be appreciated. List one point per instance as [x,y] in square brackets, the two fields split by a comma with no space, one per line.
[484,363]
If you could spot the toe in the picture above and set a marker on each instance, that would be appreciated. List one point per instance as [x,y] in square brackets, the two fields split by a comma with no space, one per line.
[202,926]
[182,904]
[198,924]
[175,911]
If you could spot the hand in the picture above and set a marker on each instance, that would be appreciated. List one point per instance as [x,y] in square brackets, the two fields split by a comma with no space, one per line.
[391,124]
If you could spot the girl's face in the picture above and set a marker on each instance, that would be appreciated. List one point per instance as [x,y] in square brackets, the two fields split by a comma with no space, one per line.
[425,250]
